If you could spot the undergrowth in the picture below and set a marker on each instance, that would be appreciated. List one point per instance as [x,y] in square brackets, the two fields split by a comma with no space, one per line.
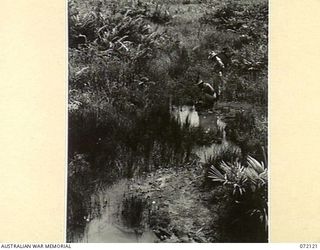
[128,58]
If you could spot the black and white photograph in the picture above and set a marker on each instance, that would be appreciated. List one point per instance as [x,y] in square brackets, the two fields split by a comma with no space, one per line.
[167,121]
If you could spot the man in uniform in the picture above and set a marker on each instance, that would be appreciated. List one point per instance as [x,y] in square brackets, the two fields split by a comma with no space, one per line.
[221,60]
[210,95]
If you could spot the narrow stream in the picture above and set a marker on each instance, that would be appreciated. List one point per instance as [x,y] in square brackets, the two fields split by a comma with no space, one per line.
[209,121]
[105,223]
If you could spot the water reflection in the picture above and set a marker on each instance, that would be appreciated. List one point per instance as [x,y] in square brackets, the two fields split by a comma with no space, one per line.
[209,121]
[189,115]
[106,224]
[205,153]
[101,231]
[186,115]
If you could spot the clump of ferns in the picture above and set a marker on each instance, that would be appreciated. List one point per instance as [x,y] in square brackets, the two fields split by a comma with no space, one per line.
[247,184]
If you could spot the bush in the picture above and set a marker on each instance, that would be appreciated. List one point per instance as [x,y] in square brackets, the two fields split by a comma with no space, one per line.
[247,218]
[244,131]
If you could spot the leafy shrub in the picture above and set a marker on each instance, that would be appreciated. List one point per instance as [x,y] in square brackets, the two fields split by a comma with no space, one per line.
[247,218]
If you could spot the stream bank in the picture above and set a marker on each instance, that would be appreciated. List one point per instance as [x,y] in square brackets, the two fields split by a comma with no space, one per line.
[177,208]
[168,204]
[165,205]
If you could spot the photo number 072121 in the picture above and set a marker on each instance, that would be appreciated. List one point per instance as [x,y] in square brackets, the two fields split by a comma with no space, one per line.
[168,125]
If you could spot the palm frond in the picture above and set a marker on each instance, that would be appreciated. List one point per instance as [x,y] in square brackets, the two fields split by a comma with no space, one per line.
[257,166]
[216,175]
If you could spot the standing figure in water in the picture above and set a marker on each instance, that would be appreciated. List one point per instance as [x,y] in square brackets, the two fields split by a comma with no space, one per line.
[210,95]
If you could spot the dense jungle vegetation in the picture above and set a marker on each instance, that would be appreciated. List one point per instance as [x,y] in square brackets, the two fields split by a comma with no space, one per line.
[128,61]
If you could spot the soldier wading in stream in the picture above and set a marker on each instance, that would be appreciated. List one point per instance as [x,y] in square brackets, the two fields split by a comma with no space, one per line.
[221,61]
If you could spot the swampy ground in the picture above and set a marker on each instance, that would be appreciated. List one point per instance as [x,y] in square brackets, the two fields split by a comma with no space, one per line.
[145,144]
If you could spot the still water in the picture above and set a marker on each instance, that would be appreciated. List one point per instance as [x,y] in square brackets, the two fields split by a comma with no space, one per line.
[104,224]
[209,121]
[189,115]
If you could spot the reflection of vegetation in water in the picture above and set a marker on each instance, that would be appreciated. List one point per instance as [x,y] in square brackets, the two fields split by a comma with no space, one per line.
[79,191]
[153,140]
[133,208]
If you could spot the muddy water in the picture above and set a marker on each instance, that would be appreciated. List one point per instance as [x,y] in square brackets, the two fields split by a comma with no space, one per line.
[105,223]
